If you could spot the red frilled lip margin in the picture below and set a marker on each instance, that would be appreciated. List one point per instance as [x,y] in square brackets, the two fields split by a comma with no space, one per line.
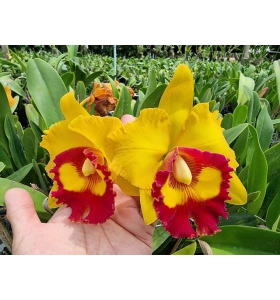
[90,197]
[203,200]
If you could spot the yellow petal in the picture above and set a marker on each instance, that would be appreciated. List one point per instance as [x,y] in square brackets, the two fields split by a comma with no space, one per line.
[96,129]
[139,147]
[237,191]
[148,210]
[71,108]
[177,99]
[59,138]
[203,131]
[11,100]
[126,186]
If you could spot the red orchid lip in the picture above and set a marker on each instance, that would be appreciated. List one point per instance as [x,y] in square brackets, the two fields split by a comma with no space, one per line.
[90,197]
[176,202]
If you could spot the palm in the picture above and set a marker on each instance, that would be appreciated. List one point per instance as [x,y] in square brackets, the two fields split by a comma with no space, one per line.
[124,233]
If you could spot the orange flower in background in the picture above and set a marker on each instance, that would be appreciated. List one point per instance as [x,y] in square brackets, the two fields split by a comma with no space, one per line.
[11,100]
[102,96]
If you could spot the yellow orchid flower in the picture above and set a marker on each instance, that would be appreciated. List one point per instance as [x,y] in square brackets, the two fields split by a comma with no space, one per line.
[11,100]
[78,163]
[177,156]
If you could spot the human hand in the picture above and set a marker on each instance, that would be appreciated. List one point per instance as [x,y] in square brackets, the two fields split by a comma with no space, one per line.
[124,233]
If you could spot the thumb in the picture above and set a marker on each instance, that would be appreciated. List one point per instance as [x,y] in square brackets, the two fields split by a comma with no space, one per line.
[21,212]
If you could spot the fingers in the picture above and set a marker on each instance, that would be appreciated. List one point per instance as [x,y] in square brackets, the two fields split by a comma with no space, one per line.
[127,118]
[20,209]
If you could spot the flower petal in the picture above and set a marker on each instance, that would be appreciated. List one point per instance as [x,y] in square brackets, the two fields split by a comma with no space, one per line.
[59,138]
[96,129]
[203,131]
[177,99]
[203,200]
[11,100]
[91,197]
[147,207]
[237,191]
[71,108]
[139,147]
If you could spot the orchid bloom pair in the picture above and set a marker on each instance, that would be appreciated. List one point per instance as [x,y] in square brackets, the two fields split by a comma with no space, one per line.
[174,156]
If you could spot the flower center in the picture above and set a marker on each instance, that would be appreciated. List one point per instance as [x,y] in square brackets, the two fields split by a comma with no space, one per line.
[181,171]
[88,168]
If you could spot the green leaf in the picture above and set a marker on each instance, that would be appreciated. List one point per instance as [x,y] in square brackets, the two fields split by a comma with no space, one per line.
[159,237]
[152,82]
[227,121]
[46,88]
[72,50]
[254,106]
[37,131]
[272,156]
[188,250]
[30,144]
[232,133]
[15,144]
[22,63]
[114,87]
[33,115]
[2,166]
[154,97]
[244,240]
[277,75]
[91,77]
[238,218]
[257,174]
[80,91]
[6,159]
[246,87]
[207,96]
[239,115]
[240,145]
[273,212]
[264,128]
[124,104]
[20,174]
[38,172]
[38,197]
[68,78]
[4,111]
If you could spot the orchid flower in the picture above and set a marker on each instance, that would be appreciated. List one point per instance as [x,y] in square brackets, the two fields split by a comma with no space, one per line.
[178,158]
[78,163]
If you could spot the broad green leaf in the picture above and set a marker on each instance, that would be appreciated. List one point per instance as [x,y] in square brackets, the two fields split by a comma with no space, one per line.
[124,104]
[272,156]
[2,166]
[46,88]
[207,96]
[239,218]
[253,196]
[159,237]
[232,133]
[39,173]
[273,212]
[277,121]
[240,145]
[257,174]
[37,131]
[68,78]
[33,115]
[277,75]
[6,159]
[154,97]
[91,77]
[80,91]
[58,60]
[72,50]
[114,87]
[30,144]
[38,197]
[20,174]
[188,250]
[239,115]
[250,70]
[264,129]
[244,240]
[246,87]
[254,106]
[15,145]
[152,83]
[4,111]
[227,121]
